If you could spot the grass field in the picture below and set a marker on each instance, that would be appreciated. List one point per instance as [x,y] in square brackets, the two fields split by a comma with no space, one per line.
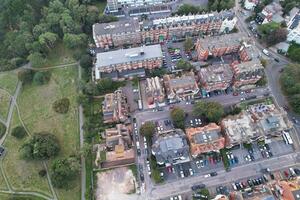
[59,55]
[8,81]
[3,185]
[4,103]
[35,104]
[20,197]
[22,175]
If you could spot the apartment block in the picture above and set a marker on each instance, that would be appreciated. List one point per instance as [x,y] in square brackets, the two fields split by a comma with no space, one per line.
[180,88]
[247,73]
[127,63]
[131,31]
[115,107]
[118,143]
[270,13]
[218,46]
[154,90]
[171,148]
[119,33]
[215,77]
[240,129]
[205,139]
[115,5]
[294,28]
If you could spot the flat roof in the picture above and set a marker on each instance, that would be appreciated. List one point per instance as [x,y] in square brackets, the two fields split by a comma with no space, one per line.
[226,40]
[128,55]
[216,73]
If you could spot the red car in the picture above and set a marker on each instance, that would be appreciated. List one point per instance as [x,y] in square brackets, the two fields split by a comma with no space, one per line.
[286,173]
[235,94]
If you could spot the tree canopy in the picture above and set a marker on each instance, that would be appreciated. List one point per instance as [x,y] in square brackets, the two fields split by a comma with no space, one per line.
[61,105]
[178,117]
[188,44]
[147,129]
[40,146]
[272,33]
[184,65]
[212,111]
[294,52]
[19,132]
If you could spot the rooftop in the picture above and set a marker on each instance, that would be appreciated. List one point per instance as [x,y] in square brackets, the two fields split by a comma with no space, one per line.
[128,55]
[130,25]
[226,40]
[216,73]
[252,65]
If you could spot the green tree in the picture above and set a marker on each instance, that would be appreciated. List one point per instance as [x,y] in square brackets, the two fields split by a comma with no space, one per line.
[147,130]
[25,76]
[74,40]
[40,146]
[41,77]
[178,117]
[188,44]
[63,171]
[107,18]
[19,132]
[86,61]
[213,111]
[294,52]
[184,65]
[295,102]
[48,39]
[36,59]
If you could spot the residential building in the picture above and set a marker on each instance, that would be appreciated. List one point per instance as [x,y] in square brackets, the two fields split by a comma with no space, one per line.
[131,31]
[282,47]
[119,33]
[247,73]
[115,5]
[218,46]
[270,119]
[127,63]
[154,90]
[240,129]
[115,107]
[180,88]
[294,29]
[118,143]
[251,4]
[205,139]
[171,148]
[271,13]
[215,77]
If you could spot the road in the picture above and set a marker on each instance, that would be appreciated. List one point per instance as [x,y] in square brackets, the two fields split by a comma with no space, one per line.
[83,172]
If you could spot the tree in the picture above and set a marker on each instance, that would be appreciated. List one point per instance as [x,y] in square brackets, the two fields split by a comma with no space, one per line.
[184,65]
[276,36]
[36,59]
[2,129]
[74,40]
[178,117]
[86,61]
[295,103]
[42,173]
[64,170]
[188,44]
[187,9]
[147,130]
[294,52]
[40,146]
[19,132]
[41,77]
[61,106]
[25,76]
[213,111]
[107,18]
[48,39]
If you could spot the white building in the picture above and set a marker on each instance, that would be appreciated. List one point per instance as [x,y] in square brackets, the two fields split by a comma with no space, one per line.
[250,4]
[113,5]
[294,29]
[228,24]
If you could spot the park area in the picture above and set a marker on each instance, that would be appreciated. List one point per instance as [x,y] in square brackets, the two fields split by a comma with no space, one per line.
[36,114]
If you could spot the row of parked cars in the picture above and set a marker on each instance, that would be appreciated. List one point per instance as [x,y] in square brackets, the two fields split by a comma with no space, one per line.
[242,185]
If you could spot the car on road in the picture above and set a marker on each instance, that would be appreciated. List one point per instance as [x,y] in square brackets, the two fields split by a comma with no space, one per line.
[295,120]
[191,171]
[198,187]
[276,59]
[213,173]
[266,52]
[142,177]
[207,175]
[181,174]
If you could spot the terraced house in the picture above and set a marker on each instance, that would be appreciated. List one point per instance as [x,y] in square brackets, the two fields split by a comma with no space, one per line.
[133,32]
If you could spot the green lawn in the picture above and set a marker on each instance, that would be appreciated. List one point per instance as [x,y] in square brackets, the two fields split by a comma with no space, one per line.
[20,197]
[35,104]
[4,103]
[59,55]
[3,185]
[8,81]
[22,175]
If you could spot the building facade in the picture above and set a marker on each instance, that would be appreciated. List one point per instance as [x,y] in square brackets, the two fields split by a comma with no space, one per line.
[294,29]
[115,5]
[215,77]
[180,88]
[127,63]
[115,107]
[133,32]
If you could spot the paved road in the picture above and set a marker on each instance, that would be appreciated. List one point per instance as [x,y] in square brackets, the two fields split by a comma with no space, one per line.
[83,174]
[11,109]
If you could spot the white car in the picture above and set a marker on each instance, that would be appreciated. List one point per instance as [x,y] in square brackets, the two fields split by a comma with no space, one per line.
[191,171]
[198,164]
[181,174]
[145,145]
[206,175]
[201,163]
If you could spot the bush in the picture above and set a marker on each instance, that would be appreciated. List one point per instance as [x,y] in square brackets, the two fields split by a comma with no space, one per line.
[86,61]
[2,129]
[25,76]
[42,173]
[40,146]
[41,78]
[19,132]
[61,106]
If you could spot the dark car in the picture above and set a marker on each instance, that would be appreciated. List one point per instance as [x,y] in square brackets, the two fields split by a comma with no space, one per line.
[142,177]
[198,187]
[214,174]
[1,151]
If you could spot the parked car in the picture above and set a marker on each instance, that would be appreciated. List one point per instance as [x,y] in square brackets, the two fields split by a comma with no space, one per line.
[198,187]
